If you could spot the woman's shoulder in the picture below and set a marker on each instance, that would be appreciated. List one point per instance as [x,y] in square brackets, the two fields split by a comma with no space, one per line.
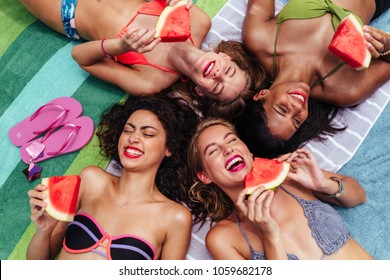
[96,176]
[176,212]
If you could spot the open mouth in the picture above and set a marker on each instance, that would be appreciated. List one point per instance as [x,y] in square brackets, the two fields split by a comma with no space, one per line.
[235,163]
[300,96]
[209,67]
[132,152]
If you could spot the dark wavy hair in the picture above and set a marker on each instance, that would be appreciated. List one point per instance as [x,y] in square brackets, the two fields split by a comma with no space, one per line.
[179,122]
[252,128]
[255,75]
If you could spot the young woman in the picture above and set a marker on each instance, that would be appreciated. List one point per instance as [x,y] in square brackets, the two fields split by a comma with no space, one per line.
[136,215]
[292,46]
[289,222]
[122,49]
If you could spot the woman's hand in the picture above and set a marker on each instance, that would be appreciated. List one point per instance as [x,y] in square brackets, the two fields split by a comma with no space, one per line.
[304,170]
[139,40]
[39,216]
[257,209]
[173,3]
[378,41]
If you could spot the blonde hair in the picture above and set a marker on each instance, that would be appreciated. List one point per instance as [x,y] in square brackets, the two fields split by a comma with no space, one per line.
[210,201]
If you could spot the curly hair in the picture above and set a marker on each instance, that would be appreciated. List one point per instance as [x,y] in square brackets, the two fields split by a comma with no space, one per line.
[179,122]
[209,201]
[252,128]
[255,76]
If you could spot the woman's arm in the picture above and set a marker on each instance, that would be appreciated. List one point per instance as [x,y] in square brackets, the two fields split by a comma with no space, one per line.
[47,239]
[178,237]
[257,209]
[305,171]
[257,25]
[93,57]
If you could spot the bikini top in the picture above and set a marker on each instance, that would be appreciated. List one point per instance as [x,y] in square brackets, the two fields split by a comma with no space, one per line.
[152,8]
[326,224]
[305,9]
[84,234]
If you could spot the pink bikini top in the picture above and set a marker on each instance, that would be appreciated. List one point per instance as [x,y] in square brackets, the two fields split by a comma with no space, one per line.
[152,8]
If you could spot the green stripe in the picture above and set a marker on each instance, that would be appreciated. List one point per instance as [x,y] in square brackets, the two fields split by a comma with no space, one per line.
[14,19]
[24,59]
[211,7]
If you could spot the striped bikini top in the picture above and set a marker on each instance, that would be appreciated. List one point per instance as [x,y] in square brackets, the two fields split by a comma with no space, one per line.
[85,234]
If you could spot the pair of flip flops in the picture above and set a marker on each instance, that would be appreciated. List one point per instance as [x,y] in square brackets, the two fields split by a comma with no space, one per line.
[54,129]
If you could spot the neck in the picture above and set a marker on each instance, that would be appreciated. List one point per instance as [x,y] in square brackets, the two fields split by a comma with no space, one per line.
[134,186]
[183,56]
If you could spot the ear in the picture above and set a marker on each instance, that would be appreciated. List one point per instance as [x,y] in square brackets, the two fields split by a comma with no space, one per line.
[203,177]
[261,95]
[199,91]
[168,153]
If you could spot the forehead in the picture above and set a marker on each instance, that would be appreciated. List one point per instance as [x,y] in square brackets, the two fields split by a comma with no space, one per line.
[212,134]
[144,117]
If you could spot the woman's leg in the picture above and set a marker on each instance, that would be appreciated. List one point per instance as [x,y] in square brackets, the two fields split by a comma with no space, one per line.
[47,11]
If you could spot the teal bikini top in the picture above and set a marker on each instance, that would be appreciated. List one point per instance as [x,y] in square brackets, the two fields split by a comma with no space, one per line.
[306,9]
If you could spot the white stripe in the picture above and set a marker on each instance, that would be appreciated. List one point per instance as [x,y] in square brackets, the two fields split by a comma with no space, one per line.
[362,117]
[374,104]
[341,147]
[321,155]
[242,13]
[230,23]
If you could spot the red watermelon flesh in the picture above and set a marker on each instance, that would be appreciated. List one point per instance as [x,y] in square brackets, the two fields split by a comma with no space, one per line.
[62,193]
[269,173]
[174,24]
[349,45]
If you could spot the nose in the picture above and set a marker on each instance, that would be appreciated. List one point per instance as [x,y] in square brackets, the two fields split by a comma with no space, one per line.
[134,138]
[217,73]
[228,151]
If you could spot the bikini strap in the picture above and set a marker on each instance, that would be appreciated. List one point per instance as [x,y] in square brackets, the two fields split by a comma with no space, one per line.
[341,64]
[243,233]
[274,60]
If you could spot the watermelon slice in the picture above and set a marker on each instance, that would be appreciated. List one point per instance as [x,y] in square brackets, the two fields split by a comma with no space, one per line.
[349,45]
[174,24]
[62,193]
[269,173]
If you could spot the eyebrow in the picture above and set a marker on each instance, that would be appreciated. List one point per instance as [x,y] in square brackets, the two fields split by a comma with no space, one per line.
[214,143]
[142,127]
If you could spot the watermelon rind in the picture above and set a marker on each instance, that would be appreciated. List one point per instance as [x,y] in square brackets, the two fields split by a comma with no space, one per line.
[51,210]
[347,50]
[275,182]
[163,18]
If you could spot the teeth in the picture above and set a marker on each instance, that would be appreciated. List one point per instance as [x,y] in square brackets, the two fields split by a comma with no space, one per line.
[298,96]
[209,69]
[231,163]
[133,152]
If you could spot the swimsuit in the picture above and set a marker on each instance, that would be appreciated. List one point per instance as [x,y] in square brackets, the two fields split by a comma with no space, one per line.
[152,8]
[326,224]
[68,10]
[307,9]
[85,234]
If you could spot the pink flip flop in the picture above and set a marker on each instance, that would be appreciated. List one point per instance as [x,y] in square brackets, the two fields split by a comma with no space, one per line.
[67,138]
[53,114]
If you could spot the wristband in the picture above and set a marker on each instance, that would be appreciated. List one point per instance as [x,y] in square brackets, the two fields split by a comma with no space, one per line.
[103,50]
[340,189]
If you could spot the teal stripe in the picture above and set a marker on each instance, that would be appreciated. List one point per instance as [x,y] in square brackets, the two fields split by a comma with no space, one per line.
[60,76]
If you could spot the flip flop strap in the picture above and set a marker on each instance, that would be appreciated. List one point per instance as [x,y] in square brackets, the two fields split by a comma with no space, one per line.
[72,133]
[62,114]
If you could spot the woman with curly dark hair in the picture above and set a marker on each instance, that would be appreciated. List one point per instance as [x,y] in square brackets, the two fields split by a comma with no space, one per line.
[136,215]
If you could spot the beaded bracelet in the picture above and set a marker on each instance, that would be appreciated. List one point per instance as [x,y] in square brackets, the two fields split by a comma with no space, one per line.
[340,189]
[387,52]
[103,50]
[384,53]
